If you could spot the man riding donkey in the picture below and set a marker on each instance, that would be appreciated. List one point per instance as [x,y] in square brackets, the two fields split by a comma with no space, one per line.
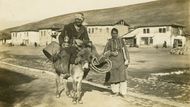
[71,36]
[74,39]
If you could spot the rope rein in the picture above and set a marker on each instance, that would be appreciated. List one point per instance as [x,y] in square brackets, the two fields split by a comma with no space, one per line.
[100,70]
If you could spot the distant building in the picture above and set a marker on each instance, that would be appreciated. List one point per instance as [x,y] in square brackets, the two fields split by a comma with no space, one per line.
[42,36]
[5,38]
[24,37]
[99,34]
[47,35]
[5,41]
[156,35]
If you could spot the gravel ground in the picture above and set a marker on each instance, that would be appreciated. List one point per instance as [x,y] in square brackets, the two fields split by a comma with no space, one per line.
[144,62]
[28,88]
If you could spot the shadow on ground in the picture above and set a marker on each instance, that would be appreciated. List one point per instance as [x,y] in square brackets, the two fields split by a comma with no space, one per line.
[88,88]
[9,81]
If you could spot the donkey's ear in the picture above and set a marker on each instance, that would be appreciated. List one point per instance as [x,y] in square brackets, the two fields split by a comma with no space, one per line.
[91,56]
[77,60]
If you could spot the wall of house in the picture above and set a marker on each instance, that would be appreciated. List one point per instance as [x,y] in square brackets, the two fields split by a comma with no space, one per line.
[122,29]
[17,38]
[33,37]
[45,36]
[41,37]
[100,34]
[26,37]
[158,37]
[177,33]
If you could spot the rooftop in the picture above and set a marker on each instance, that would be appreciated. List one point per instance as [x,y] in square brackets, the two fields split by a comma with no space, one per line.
[159,25]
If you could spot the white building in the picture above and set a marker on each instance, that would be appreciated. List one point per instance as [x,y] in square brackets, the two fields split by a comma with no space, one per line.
[24,37]
[156,35]
[47,35]
[99,34]
[42,36]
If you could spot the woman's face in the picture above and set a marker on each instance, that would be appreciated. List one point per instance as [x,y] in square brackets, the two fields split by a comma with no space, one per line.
[114,34]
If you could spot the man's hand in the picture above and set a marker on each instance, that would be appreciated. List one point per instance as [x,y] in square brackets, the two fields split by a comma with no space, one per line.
[126,62]
[107,54]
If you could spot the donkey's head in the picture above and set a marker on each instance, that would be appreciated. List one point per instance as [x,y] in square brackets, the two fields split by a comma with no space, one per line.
[84,55]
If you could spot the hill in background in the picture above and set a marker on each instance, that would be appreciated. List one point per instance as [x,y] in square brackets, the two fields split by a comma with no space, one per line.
[151,13]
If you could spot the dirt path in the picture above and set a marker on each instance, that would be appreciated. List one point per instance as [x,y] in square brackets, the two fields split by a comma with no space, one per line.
[31,89]
[37,89]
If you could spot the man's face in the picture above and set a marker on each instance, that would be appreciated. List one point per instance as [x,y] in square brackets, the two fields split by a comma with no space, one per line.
[114,34]
[78,22]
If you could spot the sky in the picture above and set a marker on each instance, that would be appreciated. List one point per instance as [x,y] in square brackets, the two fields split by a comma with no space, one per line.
[18,12]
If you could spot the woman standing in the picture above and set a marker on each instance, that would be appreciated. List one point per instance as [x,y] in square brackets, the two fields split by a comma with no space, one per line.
[118,54]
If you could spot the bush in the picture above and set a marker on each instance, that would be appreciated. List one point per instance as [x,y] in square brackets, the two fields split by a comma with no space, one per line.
[10,44]
[22,44]
[137,46]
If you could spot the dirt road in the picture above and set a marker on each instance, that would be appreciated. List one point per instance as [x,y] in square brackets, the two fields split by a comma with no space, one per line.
[37,90]
[26,88]
[175,87]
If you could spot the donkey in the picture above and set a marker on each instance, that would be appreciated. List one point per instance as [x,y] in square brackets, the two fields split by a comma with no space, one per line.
[76,71]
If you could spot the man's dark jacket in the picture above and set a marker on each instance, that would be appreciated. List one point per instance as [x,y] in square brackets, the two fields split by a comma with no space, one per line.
[70,31]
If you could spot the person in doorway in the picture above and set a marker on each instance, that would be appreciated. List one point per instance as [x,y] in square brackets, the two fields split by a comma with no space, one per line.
[119,56]
[164,44]
[35,44]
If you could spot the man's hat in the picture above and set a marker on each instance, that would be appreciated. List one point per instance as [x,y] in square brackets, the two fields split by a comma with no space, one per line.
[79,16]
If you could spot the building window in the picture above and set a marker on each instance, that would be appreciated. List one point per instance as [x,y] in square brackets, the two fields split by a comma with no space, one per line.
[92,30]
[45,33]
[151,40]
[89,30]
[27,34]
[146,30]
[107,29]
[122,22]
[41,33]
[100,29]
[162,30]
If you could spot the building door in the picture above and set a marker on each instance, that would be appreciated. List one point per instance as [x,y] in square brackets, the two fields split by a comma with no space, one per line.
[26,41]
[146,41]
[150,40]
[177,43]
[135,41]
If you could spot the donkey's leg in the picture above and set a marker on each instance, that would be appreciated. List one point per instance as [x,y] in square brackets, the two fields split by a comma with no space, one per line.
[57,80]
[79,91]
[66,87]
[74,83]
